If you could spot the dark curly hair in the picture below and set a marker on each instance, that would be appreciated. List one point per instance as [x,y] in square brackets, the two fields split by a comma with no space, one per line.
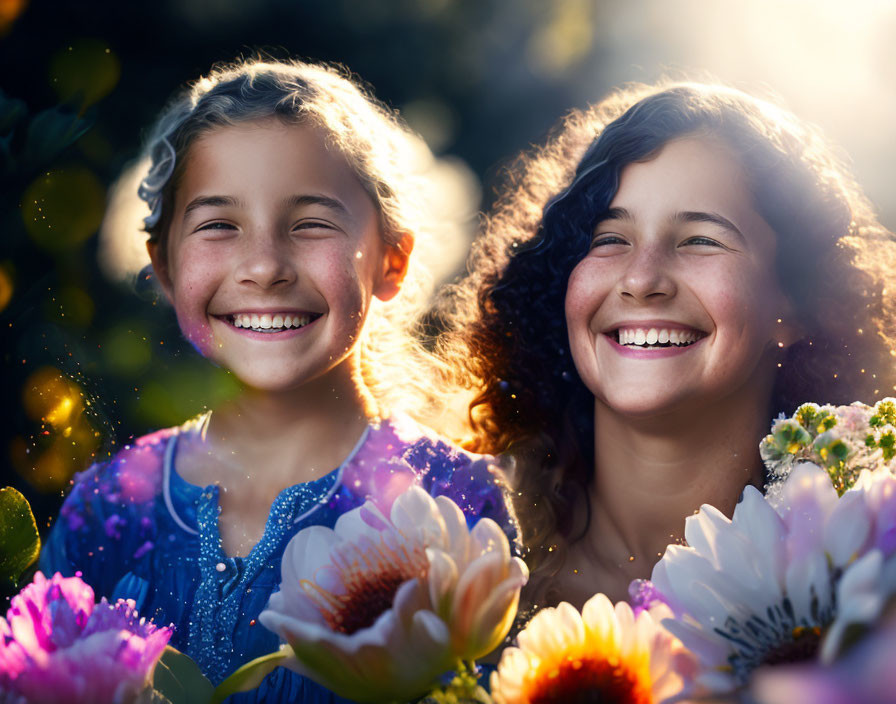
[507,332]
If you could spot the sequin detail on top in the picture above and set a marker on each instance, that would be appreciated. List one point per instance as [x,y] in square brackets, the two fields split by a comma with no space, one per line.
[131,525]
[224,580]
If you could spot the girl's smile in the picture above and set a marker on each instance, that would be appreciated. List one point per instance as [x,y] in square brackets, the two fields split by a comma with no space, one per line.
[653,339]
[678,299]
[274,254]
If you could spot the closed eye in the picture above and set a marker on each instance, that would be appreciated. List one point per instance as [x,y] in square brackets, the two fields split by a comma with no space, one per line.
[703,241]
[218,225]
[605,240]
[218,229]
[309,226]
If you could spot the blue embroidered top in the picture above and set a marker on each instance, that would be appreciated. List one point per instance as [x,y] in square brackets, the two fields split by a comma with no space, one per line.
[137,530]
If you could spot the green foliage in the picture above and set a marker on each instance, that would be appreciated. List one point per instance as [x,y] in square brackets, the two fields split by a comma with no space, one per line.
[178,680]
[27,145]
[19,539]
[463,689]
[884,414]
[788,437]
[250,675]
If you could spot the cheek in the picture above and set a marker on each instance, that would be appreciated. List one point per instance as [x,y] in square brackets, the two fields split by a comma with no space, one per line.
[194,287]
[746,305]
[585,292]
[584,295]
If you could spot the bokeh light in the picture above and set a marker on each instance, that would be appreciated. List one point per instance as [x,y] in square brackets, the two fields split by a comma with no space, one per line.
[126,348]
[186,389]
[66,440]
[71,305]
[51,398]
[564,38]
[9,13]
[63,208]
[433,119]
[84,71]
[122,246]
[6,285]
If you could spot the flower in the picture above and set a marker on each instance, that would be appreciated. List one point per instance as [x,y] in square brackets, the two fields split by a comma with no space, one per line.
[765,586]
[864,676]
[606,653]
[843,439]
[54,640]
[377,608]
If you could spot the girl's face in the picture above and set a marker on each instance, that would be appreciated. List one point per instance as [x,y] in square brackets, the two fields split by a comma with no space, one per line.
[274,253]
[677,303]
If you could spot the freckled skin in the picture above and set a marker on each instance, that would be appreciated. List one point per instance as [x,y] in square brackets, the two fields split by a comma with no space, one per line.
[653,266]
[684,248]
[268,219]
[262,252]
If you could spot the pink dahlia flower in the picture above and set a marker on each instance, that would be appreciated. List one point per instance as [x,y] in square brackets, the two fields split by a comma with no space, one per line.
[57,645]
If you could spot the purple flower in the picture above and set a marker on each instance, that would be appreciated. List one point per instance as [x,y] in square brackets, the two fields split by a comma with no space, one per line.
[56,643]
[864,676]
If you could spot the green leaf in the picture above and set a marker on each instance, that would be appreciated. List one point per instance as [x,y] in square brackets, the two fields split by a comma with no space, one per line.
[250,675]
[177,679]
[49,132]
[19,539]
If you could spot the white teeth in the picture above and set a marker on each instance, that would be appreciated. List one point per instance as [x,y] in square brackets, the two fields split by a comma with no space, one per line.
[652,336]
[269,322]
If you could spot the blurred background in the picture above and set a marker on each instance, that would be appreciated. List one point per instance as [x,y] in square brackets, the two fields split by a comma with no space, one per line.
[91,360]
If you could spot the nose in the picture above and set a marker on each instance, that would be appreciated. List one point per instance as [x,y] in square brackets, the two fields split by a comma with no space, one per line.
[648,276]
[265,262]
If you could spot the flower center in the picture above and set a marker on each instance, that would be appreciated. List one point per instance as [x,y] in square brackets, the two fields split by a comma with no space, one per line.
[366,600]
[368,576]
[803,647]
[590,681]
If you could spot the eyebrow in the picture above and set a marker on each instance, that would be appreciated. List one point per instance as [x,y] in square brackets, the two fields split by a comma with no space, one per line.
[615,214]
[682,217]
[296,201]
[712,218]
[210,201]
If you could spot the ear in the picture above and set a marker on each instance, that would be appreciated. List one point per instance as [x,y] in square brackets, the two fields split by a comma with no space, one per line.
[394,267]
[160,269]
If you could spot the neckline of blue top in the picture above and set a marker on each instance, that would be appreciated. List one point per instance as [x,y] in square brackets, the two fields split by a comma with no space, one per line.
[224,579]
[170,474]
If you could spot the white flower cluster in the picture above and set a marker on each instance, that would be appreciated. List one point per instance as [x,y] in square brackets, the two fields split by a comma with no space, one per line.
[844,440]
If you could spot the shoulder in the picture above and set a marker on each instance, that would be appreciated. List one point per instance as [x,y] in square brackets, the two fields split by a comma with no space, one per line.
[129,479]
[474,482]
[426,450]
[107,520]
